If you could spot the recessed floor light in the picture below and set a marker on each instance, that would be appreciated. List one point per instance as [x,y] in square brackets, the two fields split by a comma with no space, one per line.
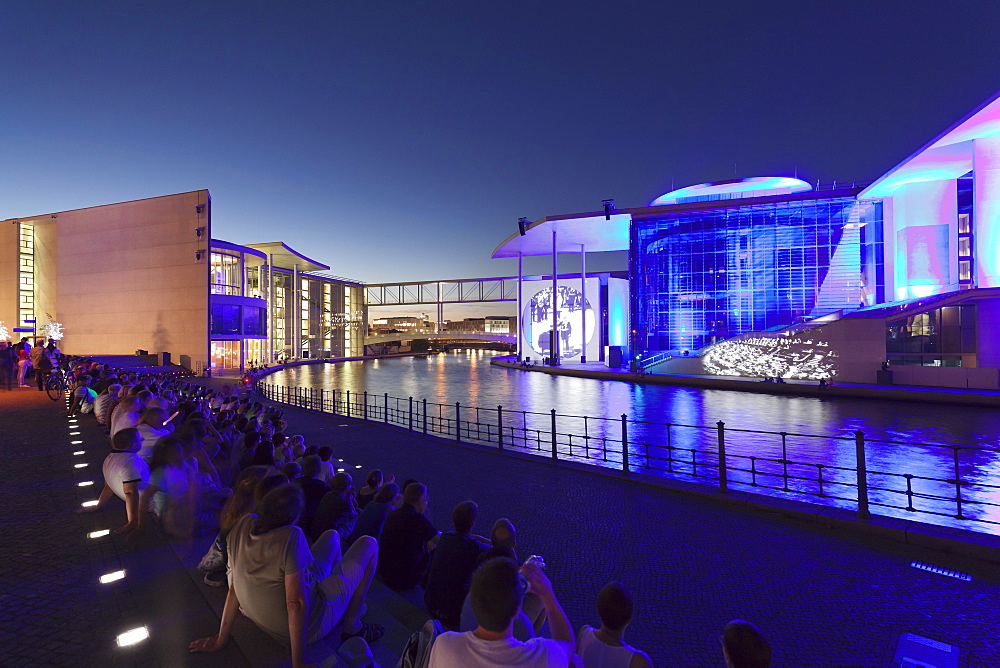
[79,466]
[89,504]
[76,442]
[85,483]
[79,452]
[99,534]
[133,636]
[74,433]
[111,577]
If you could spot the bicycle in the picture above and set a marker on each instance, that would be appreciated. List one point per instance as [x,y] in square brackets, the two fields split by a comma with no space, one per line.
[56,385]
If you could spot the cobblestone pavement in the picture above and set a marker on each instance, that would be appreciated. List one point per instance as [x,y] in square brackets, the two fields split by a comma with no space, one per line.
[53,610]
[824,597]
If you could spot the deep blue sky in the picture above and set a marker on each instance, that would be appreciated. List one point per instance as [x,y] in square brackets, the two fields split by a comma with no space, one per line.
[402,140]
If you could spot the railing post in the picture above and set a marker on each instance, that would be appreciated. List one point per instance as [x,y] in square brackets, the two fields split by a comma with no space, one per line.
[862,469]
[458,422]
[555,456]
[625,465]
[322,402]
[958,485]
[333,403]
[784,458]
[385,417]
[347,405]
[411,414]
[723,478]
[365,409]
[425,416]
[500,428]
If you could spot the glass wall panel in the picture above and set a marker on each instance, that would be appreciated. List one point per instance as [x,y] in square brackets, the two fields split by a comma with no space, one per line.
[226,277]
[707,275]
[225,319]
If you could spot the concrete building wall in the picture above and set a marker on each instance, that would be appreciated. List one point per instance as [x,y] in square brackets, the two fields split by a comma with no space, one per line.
[8,276]
[128,277]
[46,274]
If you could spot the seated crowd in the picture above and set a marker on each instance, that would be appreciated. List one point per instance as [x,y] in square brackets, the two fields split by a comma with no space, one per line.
[298,546]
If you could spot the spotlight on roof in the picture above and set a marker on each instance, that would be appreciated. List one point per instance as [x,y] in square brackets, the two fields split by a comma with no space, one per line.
[609,206]
[522,226]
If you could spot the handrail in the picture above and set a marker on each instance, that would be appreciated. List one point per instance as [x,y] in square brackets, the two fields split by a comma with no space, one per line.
[768,462]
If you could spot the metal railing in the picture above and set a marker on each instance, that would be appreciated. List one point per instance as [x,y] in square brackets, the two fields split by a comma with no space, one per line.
[849,472]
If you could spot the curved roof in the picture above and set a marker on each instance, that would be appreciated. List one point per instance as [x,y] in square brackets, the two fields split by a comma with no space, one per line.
[754,186]
[284,257]
[947,156]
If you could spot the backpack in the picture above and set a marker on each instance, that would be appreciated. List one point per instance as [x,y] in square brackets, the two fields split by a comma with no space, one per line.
[417,652]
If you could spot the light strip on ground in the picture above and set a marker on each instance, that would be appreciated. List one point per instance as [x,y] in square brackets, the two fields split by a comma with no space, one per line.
[99,534]
[79,452]
[75,442]
[89,504]
[74,433]
[112,576]
[133,636]
[78,466]
[85,483]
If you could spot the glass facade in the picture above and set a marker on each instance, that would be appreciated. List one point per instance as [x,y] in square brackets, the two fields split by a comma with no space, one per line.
[938,337]
[702,276]
[227,274]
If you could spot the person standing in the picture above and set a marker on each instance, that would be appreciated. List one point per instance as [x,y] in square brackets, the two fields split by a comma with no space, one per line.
[8,364]
[23,364]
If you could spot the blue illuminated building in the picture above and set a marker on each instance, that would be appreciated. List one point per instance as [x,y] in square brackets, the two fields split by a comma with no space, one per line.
[895,281]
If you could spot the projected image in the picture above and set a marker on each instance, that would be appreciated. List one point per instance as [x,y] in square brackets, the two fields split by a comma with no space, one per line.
[767,358]
[536,322]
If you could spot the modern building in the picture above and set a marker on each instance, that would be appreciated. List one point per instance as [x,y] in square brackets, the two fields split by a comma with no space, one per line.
[770,276]
[148,275]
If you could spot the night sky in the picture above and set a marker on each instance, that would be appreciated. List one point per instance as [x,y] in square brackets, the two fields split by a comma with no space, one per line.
[402,140]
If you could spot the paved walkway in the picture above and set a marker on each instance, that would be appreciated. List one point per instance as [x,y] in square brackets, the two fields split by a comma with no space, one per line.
[823,596]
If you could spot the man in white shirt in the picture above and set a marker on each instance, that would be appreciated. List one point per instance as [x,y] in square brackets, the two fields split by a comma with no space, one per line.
[496,593]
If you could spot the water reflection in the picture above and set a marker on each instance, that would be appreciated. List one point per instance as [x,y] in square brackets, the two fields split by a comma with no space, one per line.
[820,431]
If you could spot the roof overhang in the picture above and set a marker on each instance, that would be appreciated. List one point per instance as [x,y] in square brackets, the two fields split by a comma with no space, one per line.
[284,257]
[593,231]
[949,156]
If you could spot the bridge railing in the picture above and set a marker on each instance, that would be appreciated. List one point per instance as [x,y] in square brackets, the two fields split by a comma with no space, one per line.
[943,483]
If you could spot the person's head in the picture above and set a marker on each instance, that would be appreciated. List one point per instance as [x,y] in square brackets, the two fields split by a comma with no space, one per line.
[154,417]
[82,381]
[292,470]
[342,484]
[127,440]
[114,389]
[310,467]
[464,517]
[295,439]
[374,479]
[387,493]
[280,507]
[415,495]
[242,500]
[614,606]
[251,440]
[278,439]
[263,454]
[167,451]
[503,533]
[744,646]
[325,453]
[496,593]
[267,483]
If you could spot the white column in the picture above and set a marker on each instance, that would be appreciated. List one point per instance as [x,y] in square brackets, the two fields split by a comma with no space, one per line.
[296,314]
[986,210]
[268,289]
[520,306]
[583,314]
[554,336]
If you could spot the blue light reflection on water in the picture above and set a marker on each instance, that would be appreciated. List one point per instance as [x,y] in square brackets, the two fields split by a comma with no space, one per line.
[467,377]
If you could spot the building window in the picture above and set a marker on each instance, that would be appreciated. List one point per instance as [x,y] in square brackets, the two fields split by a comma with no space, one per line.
[226,277]
[225,319]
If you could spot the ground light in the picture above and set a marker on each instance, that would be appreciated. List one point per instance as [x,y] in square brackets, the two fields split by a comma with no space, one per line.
[79,452]
[74,433]
[75,442]
[99,534]
[85,483]
[89,504]
[133,636]
[111,577]
[78,466]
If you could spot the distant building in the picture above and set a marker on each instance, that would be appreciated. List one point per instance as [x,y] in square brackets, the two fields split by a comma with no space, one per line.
[148,275]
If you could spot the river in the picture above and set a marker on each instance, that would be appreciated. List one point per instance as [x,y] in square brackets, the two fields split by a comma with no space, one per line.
[900,438]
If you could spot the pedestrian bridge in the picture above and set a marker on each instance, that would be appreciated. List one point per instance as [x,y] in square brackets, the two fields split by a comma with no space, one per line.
[443,336]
